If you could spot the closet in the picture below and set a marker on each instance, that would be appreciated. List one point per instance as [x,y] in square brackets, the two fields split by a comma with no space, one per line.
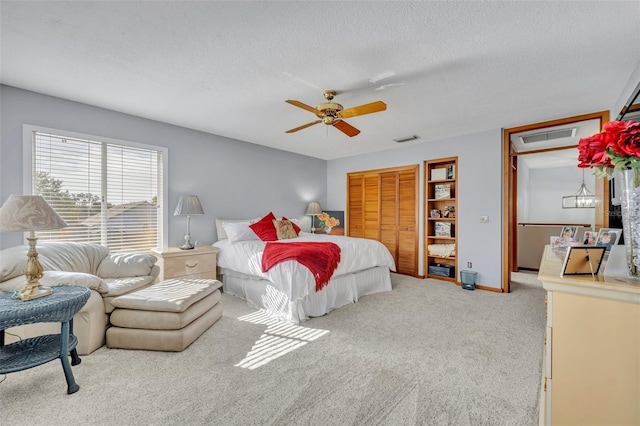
[382,205]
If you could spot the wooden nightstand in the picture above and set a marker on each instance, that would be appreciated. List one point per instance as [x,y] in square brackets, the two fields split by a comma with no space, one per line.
[177,263]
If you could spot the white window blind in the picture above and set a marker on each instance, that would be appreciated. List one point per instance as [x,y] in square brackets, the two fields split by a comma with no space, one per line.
[107,193]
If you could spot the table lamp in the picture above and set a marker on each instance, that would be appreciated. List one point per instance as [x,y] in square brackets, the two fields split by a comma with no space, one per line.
[313,210]
[188,205]
[30,213]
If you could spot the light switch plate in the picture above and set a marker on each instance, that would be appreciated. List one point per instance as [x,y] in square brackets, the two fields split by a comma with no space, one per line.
[484,219]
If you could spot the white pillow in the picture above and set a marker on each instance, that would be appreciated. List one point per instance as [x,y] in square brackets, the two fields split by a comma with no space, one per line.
[222,235]
[239,231]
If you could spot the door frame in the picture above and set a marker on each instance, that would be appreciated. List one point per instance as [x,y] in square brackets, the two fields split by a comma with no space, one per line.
[510,199]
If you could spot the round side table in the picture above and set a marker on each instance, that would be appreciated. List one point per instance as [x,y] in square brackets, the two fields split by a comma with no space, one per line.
[60,306]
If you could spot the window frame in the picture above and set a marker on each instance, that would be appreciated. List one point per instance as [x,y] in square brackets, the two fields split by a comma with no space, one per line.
[27,163]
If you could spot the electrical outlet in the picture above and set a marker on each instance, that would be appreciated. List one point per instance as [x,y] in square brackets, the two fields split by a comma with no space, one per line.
[469,265]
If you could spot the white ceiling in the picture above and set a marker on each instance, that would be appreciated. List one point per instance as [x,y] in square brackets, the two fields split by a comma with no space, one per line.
[443,68]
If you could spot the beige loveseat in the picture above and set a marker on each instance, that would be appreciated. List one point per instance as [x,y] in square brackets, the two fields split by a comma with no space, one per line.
[82,264]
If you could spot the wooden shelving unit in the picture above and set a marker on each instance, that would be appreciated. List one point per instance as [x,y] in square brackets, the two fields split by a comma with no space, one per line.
[441,188]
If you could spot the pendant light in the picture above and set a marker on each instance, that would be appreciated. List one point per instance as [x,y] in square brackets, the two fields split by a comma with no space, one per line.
[583,199]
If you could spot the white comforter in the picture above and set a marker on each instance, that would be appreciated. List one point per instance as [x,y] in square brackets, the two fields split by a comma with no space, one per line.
[294,279]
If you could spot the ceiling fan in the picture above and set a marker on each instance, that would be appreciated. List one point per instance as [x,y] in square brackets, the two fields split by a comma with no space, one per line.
[333,114]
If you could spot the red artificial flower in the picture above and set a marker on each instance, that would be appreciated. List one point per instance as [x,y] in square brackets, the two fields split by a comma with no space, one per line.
[628,142]
[592,151]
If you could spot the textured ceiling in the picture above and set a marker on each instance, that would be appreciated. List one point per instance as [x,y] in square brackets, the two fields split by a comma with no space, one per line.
[443,68]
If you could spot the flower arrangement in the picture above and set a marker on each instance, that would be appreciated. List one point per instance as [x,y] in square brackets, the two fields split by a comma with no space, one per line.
[617,147]
[327,221]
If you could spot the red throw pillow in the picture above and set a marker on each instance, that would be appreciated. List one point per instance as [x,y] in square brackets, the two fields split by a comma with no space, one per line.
[264,228]
[296,227]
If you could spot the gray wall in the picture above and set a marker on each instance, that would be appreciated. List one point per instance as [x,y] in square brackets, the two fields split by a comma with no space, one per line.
[233,179]
[479,194]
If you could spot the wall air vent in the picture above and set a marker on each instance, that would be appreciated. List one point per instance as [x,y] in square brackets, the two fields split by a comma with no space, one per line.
[549,135]
[407,138]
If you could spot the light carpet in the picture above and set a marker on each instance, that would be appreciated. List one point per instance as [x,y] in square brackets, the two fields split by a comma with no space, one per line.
[426,353]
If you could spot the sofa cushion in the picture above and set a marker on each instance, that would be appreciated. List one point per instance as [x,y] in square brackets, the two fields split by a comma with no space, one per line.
[174,295]
[58,278]
[121,265]
[120,286]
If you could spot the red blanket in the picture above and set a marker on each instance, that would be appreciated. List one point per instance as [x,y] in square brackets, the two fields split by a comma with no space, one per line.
[320,258]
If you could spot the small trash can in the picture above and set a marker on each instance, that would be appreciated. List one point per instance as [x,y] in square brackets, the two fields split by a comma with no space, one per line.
[468,279]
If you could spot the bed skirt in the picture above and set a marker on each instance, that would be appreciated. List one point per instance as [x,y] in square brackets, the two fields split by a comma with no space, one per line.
[340,291]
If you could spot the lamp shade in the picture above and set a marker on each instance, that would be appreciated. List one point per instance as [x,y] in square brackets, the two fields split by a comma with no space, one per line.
[314,208]
[188,205]
[29,213]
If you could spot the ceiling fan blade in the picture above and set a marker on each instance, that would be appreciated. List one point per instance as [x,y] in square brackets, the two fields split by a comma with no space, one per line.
[363,109]
[304,126]
[346,128]
[303,106]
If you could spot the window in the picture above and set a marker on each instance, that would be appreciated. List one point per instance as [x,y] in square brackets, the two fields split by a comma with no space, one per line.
[108,192]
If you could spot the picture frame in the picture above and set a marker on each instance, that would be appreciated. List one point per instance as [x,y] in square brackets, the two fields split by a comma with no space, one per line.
[608,237]
[589,238]
[569,232]
[558,242]
[583,260]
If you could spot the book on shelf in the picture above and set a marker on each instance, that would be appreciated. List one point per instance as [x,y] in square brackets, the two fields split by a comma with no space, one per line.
[443,229]
[451,171]
[443,191]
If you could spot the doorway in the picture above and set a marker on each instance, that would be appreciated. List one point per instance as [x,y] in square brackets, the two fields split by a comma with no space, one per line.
[543,144]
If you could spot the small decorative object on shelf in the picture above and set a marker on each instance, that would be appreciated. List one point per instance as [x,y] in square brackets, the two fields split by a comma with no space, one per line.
[449,212]
[443,191]
[617,148]
[439,174]
[435,213]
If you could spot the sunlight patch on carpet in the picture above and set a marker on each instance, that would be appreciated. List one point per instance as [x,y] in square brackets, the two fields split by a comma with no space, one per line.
[279,339]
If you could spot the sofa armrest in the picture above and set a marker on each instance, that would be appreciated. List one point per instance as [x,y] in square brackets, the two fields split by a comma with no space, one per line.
[121,265]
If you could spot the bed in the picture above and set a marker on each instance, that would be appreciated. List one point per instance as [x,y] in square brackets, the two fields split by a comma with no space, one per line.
[287,291]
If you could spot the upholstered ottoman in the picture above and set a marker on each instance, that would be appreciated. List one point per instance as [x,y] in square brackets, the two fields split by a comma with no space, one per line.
[167,316]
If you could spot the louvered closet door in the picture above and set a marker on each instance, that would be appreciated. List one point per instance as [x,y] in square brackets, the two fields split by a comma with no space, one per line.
[371,206]
[388,212]
[407,262]
[355,212]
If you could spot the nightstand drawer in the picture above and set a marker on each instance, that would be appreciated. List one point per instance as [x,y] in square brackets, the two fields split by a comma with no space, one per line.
[197,263]
[189,265]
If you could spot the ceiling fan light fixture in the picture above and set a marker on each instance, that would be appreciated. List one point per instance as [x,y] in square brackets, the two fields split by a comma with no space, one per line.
[406,138]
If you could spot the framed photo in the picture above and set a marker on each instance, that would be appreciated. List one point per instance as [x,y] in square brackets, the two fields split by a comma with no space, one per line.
[558,242]
[608,237]
[569,232]
[589,238]
[581,260]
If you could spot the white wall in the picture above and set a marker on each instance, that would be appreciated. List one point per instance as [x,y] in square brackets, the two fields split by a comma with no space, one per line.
[544,191]
[479,193]
[233,179]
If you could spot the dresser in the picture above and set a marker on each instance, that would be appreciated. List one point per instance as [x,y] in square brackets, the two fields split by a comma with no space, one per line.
[591,367]
[199,262]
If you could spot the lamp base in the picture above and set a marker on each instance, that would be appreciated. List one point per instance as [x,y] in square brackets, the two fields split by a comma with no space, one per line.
[187,247]
[34,292]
